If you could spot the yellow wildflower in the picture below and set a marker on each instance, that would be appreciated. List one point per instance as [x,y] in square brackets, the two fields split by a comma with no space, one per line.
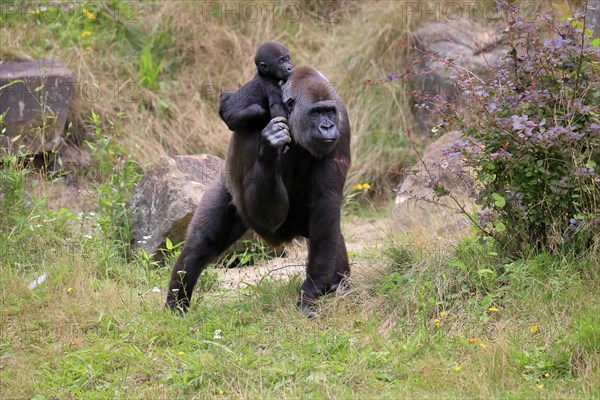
[472,340]
[457,368]
[221,392]
[70,290]
[358,187]
[436,322]
[547,375]
[539,386]
[89,15]
[483,346]
[366,186]
[534,328]
[492,309]
[180,353]
[443,314]
[86,33]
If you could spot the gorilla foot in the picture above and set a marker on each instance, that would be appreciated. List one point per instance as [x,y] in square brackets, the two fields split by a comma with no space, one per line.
[309,312]
[339,288]
[306,303]
[179,307]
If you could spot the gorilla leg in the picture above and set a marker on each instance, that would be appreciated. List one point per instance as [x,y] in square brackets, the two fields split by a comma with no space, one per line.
[215,226]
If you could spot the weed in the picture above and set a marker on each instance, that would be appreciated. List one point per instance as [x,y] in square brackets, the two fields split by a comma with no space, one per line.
[117,175]
[149,70]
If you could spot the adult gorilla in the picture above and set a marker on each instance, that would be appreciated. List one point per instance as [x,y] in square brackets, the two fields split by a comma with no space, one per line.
[281,186]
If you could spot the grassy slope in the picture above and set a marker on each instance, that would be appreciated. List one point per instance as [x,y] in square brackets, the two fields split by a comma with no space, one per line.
[95,329]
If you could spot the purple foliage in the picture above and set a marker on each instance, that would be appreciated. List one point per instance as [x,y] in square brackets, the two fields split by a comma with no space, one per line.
[532,134]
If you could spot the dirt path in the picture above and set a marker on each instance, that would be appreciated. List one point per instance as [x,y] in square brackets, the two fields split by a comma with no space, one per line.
[360,234]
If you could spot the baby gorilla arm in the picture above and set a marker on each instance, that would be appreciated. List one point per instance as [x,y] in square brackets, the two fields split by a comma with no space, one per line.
[237,110]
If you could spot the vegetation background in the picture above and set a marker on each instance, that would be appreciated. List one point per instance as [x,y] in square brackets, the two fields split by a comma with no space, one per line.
[426,316]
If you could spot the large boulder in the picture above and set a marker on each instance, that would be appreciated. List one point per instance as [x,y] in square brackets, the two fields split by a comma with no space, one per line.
[470,45]
[419,206]
[165,199]
[34,99]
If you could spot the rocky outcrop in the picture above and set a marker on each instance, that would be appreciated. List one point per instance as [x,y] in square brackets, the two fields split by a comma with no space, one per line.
[165,199]
[418,203]
[34,99]
[471,46]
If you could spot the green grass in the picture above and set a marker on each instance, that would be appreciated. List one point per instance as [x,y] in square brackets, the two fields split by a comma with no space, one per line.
[433,320]
[96,329]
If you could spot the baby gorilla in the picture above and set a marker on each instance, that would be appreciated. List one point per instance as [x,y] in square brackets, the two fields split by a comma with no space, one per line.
[260,99]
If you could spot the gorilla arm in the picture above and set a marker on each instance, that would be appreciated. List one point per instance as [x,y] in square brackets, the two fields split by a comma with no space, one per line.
[265,196]
[327,256]
[238,109]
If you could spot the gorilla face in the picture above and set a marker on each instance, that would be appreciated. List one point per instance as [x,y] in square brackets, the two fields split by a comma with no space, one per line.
[323,131]
[313,111]
[283,67]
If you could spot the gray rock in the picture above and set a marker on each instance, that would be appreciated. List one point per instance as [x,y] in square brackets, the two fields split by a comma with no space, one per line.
[419,207]
[34,98]
[165,199]
[472,46]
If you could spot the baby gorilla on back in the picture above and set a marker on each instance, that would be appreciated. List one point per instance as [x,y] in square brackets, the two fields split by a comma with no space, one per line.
[259,100]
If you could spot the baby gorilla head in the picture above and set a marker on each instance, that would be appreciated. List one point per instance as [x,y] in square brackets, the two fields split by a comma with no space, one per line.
[273,59]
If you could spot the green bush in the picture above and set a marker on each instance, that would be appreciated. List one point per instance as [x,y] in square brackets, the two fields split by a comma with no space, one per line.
[531,135]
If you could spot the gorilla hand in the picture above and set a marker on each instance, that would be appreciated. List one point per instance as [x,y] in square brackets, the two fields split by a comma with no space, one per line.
[273,138]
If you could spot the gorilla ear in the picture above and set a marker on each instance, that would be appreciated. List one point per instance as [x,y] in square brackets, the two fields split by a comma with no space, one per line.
[290,104]
[264,68]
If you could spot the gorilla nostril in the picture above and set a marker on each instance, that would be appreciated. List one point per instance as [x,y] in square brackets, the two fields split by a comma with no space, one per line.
[328,132]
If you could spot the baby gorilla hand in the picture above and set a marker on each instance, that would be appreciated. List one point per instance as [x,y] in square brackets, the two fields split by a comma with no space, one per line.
[273,138]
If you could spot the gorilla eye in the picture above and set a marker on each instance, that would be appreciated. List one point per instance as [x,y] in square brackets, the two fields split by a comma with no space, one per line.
[314,113]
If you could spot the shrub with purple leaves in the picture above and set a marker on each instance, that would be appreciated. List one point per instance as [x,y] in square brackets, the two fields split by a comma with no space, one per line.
[531,134]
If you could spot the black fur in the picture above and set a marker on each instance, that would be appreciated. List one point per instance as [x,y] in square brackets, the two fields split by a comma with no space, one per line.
[259,100]
[279,194]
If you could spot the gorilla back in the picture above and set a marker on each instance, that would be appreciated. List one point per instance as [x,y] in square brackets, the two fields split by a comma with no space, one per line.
[279,194]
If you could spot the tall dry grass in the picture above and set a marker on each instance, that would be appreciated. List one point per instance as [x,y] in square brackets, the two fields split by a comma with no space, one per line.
[207,50]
